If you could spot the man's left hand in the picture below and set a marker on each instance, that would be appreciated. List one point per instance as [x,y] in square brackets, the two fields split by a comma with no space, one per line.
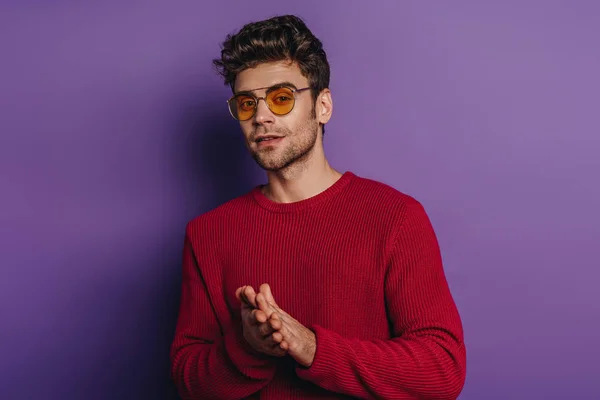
[299,341]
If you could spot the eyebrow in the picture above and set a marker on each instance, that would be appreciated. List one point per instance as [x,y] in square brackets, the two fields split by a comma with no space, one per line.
[269,88]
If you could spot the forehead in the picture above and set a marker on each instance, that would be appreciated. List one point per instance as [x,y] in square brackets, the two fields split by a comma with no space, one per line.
[269,74]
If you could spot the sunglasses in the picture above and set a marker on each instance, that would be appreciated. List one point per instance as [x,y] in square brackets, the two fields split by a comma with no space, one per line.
[279,99]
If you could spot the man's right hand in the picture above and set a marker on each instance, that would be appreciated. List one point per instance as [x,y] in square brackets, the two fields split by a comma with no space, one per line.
[257,329]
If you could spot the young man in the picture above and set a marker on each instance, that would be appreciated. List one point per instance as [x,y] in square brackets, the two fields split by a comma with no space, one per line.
[318,284]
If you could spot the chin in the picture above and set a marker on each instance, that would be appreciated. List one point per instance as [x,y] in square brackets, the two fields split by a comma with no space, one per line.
[269,164]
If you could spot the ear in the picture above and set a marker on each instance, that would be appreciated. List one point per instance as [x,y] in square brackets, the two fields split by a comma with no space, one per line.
[324,106]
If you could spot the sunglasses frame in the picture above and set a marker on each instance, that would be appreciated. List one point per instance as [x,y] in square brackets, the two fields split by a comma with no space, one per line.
[257,99]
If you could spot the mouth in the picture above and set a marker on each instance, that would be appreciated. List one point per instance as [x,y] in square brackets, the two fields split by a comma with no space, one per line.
[267,138]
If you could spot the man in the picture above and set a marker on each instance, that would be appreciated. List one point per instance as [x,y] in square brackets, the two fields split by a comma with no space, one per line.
[318,284]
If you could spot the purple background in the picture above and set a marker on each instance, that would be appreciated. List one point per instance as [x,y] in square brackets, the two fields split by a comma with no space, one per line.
[114,133]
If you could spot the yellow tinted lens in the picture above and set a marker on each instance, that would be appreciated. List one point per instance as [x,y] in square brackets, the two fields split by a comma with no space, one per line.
[281,101]
[243,107]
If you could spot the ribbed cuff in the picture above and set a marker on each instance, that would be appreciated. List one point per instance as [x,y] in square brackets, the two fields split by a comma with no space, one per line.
[326,357]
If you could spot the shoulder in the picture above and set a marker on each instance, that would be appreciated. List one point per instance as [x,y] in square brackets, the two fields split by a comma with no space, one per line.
[385,209]
[384,196]
[218,218]
[398,213]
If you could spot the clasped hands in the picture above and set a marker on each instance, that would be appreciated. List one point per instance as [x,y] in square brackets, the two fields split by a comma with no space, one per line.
[272,331]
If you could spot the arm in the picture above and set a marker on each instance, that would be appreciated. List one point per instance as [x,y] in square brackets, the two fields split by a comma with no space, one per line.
[210,359]
[426,358]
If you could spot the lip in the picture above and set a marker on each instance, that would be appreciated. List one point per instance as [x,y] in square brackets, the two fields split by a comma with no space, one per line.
[274,140]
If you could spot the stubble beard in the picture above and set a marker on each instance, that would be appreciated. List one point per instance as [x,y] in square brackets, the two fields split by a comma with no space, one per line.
[296,151]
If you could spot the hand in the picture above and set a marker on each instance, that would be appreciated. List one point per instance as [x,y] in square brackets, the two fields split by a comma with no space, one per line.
[256,328]
[299,341]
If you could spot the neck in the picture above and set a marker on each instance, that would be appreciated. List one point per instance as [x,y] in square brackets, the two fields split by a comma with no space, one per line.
[301,180]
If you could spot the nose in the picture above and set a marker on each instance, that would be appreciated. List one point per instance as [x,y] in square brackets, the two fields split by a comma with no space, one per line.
[263,115]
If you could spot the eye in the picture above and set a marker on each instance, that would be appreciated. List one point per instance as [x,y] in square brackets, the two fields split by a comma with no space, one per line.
[282,96]
[245,103]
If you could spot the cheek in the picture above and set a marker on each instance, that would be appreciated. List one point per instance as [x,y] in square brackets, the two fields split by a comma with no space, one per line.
[302,123]
[297,120]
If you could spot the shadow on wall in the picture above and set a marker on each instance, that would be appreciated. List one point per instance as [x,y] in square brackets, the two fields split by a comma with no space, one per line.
[216,168]
[218,165]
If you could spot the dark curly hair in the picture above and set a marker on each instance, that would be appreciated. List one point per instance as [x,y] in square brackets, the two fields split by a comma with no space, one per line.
[279,38]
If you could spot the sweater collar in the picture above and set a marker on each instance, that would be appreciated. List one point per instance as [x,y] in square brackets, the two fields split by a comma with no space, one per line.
[319,198]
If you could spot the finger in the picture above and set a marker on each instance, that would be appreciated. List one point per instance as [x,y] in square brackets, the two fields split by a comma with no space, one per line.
[252,317]
[284,345]
[275,322]
[280,316]
[270,299]
[277,337]
[265,330]
[244,295]
[259,316]
[266,289]
[261,303]
[287,336]
[241,293]
[250,296]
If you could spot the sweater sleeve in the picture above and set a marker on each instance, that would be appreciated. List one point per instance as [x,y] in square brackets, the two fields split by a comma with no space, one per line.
[425,357]
[210,359]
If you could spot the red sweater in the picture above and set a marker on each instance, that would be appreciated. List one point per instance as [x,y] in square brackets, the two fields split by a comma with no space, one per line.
[359,264]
